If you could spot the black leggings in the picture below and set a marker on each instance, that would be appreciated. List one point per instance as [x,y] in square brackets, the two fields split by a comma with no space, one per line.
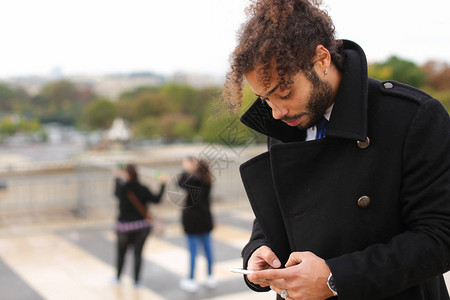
[137,239]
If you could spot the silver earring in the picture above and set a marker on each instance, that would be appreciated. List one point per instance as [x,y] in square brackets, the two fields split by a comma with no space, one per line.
[326,71]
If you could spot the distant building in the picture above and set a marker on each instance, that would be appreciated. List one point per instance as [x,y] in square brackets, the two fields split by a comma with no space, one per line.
[196,80]
[111,86]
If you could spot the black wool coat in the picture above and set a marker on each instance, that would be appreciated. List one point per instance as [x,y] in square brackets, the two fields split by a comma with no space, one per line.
[372,198]
[196,215]
[127,211]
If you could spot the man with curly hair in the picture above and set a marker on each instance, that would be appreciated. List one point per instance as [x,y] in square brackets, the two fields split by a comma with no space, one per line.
[352,198]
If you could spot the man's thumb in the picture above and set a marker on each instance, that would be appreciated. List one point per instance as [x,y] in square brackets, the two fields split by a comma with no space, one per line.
[294,259]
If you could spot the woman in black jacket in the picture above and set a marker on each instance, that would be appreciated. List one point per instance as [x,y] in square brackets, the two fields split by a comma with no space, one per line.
[134,223]
[197,219]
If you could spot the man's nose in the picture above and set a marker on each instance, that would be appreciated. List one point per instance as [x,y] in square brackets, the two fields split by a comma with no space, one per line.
[278,112]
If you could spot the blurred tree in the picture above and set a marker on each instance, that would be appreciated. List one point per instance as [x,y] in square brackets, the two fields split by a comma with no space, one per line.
[131,94]
[168,126]
[141,103]
[169,102]
[151,104]
[99,114]
[438,75]
[7,96]
[215,119]
[10,125]
[442,96]
[61,101]
[380,73]
[183,99]
[178,126]
[125,108]
[148,128]
[399,70]
[220,125]
[59,92]
[205,96]
[13,100]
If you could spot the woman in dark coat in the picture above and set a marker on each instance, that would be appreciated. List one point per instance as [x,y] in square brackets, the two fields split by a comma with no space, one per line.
[134,223]
[196,216]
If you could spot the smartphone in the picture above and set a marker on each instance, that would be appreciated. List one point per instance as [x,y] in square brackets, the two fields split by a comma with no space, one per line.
[241,271]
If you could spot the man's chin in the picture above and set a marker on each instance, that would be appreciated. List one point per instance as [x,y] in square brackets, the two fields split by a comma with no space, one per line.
[305,123]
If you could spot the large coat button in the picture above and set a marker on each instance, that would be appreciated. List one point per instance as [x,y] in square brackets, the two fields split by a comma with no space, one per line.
[363,144]
[364,202]
[388,85]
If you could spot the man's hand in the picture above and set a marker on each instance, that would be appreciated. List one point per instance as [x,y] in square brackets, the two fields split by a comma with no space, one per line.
[262,259]
[305,277]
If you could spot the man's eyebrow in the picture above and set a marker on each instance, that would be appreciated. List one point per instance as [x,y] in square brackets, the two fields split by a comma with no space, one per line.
[270,92]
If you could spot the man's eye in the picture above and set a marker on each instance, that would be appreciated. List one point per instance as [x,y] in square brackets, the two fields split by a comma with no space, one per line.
[285,97]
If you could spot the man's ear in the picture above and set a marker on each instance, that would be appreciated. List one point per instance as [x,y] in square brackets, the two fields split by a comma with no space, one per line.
[322,59]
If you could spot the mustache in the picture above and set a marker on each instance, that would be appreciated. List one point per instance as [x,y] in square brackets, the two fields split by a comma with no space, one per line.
[293,118]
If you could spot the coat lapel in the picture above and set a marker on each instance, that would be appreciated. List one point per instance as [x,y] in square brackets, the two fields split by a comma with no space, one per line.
[349,116]
[257,178]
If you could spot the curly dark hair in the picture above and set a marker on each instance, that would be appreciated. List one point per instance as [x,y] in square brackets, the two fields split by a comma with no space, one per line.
[282,33]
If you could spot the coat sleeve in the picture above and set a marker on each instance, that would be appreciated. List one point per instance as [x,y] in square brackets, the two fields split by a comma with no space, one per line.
[155,198]
[422,250]
[118,187]
[257,239]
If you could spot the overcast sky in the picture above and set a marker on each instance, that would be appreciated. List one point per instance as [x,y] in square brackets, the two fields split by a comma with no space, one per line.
[165,36]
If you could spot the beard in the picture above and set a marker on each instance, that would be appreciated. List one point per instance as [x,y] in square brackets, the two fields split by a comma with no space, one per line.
[319,100]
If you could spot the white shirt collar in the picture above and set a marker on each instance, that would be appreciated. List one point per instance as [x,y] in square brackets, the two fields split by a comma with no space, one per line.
[311,132]
[327,113]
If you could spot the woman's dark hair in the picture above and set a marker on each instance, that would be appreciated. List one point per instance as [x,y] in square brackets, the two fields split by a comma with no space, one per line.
[132,173]
[203,171]
[283,34]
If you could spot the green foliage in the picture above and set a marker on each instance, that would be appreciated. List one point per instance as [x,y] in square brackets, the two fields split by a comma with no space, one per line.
[178,125]
[215,120]
[442,96]
[184,128]
[167,126]
[223,126]
[380,73]
[99,114]
[12,100]
[11,125]
[61,101]
[137,91]
[183,99]
[399,70]
[151,104]
[147,128]
[178,109]
[7,96]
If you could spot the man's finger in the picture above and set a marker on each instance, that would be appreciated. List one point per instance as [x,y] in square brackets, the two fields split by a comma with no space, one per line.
[269,257]
[269,274]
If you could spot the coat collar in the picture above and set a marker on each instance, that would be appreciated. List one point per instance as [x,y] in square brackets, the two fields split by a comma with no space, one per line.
[349,116]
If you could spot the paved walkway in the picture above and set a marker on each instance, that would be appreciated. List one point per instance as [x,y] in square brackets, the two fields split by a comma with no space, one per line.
[75,260]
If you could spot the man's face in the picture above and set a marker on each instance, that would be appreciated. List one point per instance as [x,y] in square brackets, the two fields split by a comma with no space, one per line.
[302,105]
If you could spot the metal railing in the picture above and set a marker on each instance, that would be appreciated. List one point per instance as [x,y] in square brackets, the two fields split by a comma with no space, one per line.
[86,190]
